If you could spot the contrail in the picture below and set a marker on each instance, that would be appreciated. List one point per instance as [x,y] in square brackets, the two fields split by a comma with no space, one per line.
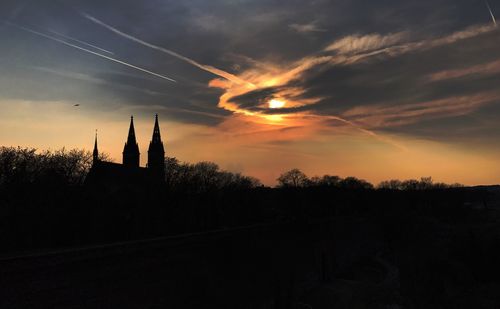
[491,12]
[363,130]
[204,67]
[81,42]
[88,51]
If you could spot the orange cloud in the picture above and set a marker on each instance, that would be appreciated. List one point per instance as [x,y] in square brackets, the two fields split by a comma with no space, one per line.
[258,126]
[489,68]
[356,43]
[380,116]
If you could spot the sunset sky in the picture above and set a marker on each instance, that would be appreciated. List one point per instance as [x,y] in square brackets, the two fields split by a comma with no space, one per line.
[372,89]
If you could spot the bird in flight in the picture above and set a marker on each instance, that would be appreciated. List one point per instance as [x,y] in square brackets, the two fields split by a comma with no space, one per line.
[76,105]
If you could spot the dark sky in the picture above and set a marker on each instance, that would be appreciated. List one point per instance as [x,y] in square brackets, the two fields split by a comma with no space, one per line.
[377,89]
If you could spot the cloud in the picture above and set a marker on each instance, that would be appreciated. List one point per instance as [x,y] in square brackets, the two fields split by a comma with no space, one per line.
[363,66]
[207,68]
[357,43]
[367,83]
[381,117]
[99,81]
[90,51]
[307,28]
[81,42]
[489,68]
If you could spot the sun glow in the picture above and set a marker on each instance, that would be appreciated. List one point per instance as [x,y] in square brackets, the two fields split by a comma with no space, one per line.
[274,103]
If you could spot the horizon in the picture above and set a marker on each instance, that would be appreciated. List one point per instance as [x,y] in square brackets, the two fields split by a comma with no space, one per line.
[393,91]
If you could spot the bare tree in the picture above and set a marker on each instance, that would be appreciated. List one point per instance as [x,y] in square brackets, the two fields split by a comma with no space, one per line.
[204,176]
[393,184]
[26,165]
[355,183]
[293,178]
[425,183]
[325,181]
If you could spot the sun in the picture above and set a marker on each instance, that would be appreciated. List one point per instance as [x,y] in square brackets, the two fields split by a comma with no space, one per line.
[275,103]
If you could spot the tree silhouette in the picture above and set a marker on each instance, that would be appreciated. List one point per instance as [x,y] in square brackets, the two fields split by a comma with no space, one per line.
[203,177]
[425,183]
[293,178]
[355,183]
[325,181]
[27,166]
[393,184]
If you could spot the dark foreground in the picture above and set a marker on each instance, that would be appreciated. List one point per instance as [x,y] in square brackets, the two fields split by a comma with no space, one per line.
[387,261]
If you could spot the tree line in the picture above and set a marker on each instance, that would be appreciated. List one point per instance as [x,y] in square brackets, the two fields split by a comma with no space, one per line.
[70,167]
[44,202]
[295,178]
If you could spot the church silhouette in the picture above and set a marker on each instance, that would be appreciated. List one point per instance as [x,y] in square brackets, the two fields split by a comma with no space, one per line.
[130,172]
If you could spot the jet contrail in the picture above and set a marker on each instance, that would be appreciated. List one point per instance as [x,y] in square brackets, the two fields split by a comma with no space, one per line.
[491,12]
[81,42]
[88,51]
[207,68]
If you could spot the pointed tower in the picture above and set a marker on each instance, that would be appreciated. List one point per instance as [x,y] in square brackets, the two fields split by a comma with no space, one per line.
[156,153]
[95,153]
[131,149]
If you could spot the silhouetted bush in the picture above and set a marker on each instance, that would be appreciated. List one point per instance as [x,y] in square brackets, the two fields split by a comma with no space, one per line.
[203,177]
[295,178]
[425,183]
[325,181]
[26,166]
[354,183]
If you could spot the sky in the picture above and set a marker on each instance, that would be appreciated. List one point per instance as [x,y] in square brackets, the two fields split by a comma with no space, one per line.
[379,90]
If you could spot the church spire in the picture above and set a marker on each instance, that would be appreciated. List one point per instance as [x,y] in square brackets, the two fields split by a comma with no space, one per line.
[156,131]
[95,154]
[131,132]
[131,149]
[156,153]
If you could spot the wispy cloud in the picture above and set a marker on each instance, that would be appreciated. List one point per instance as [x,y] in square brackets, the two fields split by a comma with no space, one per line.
[489,68]
[357,43]
[346,51]
[356,48]
[80,42]
[379,116]
[89,51]
[307,28]
[204,67]
[283,82]
[96,80]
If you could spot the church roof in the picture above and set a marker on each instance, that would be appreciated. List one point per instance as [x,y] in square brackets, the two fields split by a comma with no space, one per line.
[103,172]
